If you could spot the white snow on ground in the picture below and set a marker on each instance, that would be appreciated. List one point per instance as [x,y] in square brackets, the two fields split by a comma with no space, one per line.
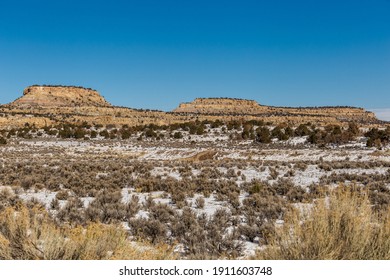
[57,143]
[165,172]
[311,175]
[252,174]
[250,248]
[211,138]
[210,206]
[226,149]
[234,155]
[127,194]
[142,214]
[359,143]
[43,196]
[87,200]
[175,175]
[46,197]
[297,140]
[361,171]
[162,153]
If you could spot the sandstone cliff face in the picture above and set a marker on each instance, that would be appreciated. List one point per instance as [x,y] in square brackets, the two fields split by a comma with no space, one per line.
[59,96]
[220,106]
[229,106]
[46,105]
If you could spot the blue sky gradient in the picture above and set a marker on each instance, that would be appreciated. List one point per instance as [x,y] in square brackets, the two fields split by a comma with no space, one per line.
[156,54]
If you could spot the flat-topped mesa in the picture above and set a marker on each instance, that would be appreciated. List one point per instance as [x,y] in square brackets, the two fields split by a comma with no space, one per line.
[231,106]
[220,106]
[50,105]
[60,96]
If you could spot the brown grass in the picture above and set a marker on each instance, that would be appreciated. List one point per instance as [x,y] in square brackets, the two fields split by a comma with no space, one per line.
[342,226]
[27,234]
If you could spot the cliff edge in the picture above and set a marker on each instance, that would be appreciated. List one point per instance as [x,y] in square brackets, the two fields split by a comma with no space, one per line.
[233,106]
[60,96]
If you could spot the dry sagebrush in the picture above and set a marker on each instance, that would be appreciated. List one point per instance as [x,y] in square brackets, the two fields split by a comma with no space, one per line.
[341,226]
[30,234]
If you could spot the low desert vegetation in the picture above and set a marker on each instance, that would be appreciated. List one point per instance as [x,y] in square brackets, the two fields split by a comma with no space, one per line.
[341,226]
[378,138]
[255,130]
[205,189]
[30,234]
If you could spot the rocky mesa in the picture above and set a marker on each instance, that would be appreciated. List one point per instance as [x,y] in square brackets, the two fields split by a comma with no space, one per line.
[60,96]
[233,106]
[48,105]
[220,106]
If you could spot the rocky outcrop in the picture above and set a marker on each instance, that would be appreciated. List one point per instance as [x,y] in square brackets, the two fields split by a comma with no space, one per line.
[47,105]
[60,96]
[220,106]
[231,106]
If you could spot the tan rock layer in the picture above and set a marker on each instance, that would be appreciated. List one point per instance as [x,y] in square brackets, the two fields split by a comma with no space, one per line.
[54,104]
[230,106]
[62,96]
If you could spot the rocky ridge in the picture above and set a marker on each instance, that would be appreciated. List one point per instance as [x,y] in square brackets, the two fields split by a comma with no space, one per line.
[60,96]
[220,106]
[48,105]
[232,106]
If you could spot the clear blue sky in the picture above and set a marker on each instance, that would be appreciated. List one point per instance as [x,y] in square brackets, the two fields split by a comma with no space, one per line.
[155,54]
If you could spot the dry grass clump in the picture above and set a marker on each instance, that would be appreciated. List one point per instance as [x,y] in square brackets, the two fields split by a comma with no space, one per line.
[199,202]
[73,212]
[346,164]
[7,198]
[155,227]
[107,207]
[3,141]
[62,195]
[363,178]
[133,206]
[30,234]
[202,237]
[261,209]
[341,226]
[206,238]
[149,229]
[282,187]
